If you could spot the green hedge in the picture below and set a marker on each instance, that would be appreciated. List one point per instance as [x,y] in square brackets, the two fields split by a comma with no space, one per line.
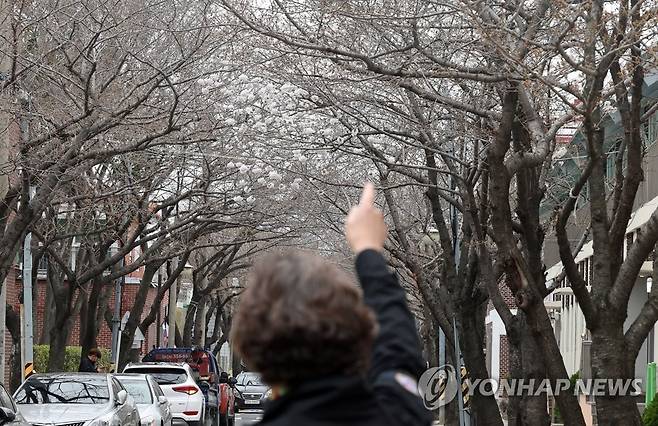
[71,359]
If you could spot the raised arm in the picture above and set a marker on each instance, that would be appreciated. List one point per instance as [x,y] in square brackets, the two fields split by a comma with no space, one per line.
[397,346]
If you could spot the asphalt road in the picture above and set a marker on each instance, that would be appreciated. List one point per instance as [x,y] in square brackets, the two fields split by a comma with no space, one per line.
[248,418]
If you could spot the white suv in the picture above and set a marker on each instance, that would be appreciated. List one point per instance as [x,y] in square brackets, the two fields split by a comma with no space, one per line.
[177,383]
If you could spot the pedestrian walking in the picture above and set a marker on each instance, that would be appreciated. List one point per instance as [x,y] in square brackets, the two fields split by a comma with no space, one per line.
[89,363]
[334,353]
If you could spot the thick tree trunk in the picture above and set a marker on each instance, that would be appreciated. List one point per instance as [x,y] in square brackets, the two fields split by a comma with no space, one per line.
[59,336]
[12,322]
[513,411]
[533,409]
[485,408]
[609,362]
[89,326]
[136,310]
[190,316]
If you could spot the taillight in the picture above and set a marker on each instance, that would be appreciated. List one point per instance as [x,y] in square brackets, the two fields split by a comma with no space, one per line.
[190,390]
[190,413]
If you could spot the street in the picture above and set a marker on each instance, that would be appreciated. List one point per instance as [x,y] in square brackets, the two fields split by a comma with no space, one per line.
[248,418]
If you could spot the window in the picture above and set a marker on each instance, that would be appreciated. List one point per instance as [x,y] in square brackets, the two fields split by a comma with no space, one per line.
[162,376]
[156,389]
[650,128]
[138,389]
[116,387]
[64,390]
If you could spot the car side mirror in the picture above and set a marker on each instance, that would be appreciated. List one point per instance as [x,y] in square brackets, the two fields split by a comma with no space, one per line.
[122,397]
[232,381]
[163,400]
[6,415]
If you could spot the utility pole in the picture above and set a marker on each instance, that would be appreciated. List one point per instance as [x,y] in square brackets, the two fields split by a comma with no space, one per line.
[4,175]
[158,318]
[28,328]
[173,296]
[116,317]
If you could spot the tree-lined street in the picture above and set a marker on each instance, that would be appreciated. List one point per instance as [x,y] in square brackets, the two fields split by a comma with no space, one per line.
[152,151]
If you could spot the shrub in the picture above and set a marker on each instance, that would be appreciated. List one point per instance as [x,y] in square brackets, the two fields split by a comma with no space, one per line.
[71,359]
[650,415]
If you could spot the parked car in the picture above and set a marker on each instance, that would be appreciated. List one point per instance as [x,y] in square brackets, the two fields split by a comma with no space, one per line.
[251,392]
[220,401]
[9,415]
[152,404]
[91,399]
[187,403]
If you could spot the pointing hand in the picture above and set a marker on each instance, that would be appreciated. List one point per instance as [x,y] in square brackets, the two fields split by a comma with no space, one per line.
[365,227]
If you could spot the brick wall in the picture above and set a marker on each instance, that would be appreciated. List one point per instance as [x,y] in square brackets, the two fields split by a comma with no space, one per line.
[504,357]
[14,287]
[508,297]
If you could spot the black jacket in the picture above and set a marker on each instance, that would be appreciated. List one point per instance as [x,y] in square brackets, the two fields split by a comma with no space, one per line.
[388,395]
[86,366]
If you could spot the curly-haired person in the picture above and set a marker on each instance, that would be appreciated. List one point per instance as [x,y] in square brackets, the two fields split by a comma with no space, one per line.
[334,353]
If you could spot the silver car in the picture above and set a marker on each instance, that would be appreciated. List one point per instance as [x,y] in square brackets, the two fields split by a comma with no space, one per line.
[76,399]
[153,406]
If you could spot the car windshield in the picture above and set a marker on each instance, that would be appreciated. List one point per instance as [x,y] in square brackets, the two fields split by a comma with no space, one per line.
[138,389]
[64,390]
[250,380]
[162,376]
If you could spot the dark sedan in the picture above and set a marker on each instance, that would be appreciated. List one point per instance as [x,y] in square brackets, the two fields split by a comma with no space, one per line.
[251,392]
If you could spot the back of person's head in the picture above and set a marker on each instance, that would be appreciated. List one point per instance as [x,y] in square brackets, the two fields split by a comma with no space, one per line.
[300,318]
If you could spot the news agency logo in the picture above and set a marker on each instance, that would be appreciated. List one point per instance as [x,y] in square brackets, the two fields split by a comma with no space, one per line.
[440,385]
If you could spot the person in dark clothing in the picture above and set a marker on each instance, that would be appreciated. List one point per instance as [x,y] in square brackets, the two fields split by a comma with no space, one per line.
[333,354]
[88,363]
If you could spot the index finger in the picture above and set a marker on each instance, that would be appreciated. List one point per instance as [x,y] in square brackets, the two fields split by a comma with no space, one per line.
[368,195]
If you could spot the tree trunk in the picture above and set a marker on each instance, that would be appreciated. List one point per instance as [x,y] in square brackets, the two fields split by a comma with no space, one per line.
[178,337]
[609,362]
[89,326]
[533,409]
[48,316]
[199,324]
[236,365]
[136,310]
[485,408]
[190,316]
[13,324]
[59,336]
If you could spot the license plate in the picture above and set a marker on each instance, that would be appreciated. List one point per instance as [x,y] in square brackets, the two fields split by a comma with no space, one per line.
[252,401]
